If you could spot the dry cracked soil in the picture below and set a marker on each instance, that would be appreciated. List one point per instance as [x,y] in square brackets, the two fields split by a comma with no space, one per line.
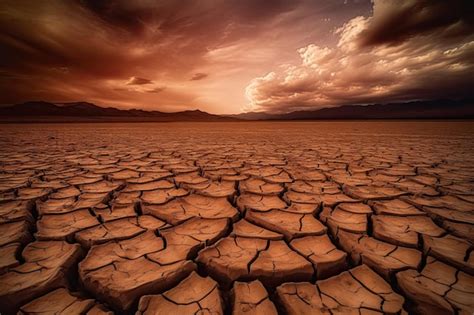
[237,218]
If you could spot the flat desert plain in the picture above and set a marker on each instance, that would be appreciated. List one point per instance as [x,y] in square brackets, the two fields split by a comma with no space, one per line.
[237,218]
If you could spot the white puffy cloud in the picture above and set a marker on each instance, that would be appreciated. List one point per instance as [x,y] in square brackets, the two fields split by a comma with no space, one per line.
[421,66]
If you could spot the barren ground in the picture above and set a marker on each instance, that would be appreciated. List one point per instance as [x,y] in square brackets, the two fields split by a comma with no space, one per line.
[242,218]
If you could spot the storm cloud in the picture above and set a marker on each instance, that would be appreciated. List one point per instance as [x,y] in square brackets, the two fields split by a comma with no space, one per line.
[373,61]
[262,55]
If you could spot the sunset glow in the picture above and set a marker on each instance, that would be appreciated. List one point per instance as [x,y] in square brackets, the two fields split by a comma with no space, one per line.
[228,57]
[244,157]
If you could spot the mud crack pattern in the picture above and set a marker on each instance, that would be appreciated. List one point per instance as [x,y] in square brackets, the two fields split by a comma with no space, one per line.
[245,218]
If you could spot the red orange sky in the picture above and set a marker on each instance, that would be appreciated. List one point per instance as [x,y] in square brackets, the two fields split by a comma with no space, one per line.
[230,56]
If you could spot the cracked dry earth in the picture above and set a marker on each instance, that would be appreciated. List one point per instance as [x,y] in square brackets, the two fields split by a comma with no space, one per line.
[237,218]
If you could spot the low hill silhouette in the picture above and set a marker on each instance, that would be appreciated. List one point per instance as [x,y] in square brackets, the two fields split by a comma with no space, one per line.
[40,111]
[435,109]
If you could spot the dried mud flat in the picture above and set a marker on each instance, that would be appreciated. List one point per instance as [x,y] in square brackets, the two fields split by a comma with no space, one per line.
[237,218]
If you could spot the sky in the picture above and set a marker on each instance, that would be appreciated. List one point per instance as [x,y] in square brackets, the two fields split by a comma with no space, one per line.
[233,56]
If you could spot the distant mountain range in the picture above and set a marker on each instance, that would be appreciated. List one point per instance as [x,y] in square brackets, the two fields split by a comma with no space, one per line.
[436,109]
[82,111]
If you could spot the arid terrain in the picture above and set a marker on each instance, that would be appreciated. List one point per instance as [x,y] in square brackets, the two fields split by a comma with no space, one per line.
[237,218]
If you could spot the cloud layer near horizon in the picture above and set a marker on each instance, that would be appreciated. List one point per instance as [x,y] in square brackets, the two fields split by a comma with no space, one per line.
[405,51]
[224,56]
